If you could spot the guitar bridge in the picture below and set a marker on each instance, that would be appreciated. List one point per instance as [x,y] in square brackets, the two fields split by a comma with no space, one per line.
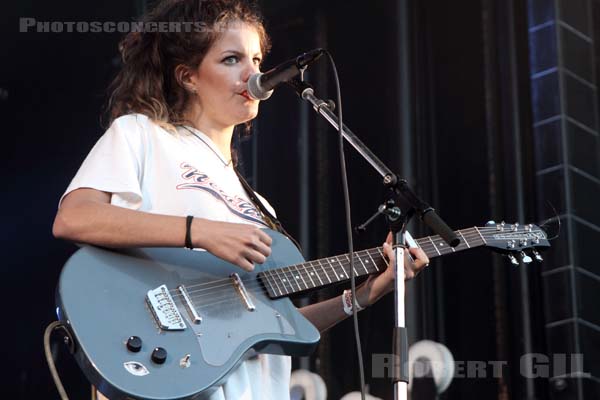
[163,308]
[241,289]
[189,305]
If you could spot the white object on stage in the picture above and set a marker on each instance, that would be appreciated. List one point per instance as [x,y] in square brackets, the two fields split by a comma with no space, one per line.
[440,359]
[307,385]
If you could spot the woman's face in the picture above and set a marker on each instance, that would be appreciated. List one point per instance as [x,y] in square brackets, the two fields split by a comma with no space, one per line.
[221,79]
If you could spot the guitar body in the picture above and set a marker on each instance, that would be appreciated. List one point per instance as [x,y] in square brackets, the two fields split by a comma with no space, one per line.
[102,297]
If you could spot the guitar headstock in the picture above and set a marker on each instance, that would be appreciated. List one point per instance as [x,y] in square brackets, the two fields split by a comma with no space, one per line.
[511,239]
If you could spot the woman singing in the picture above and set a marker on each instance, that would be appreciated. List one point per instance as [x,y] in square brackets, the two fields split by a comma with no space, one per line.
[168,154]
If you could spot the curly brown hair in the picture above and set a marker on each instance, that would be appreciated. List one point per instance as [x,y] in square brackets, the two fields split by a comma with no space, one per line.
[147,82]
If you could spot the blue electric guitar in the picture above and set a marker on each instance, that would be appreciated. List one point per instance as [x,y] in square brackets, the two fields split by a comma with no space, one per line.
[159,323]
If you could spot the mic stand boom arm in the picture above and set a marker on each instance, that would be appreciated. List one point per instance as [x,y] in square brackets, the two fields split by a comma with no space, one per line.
[426,212]
[390,180]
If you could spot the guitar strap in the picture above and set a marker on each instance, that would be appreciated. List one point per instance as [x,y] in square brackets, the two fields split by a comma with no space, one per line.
[268,217]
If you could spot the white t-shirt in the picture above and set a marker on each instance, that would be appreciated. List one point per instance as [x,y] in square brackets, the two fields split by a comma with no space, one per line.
[149,169]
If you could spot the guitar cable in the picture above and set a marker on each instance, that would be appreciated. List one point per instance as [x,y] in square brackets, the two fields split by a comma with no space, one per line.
[349,231]
[53,326]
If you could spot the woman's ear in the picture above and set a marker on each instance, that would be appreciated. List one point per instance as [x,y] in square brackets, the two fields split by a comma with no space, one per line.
[185,77]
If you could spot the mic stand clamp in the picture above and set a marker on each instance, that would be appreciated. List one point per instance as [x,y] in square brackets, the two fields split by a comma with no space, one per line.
[388,208]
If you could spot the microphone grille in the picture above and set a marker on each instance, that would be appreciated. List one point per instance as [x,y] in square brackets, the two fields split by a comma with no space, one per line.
[255,90]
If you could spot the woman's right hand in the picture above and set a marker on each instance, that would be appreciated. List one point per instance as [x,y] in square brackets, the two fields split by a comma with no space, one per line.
[239,244]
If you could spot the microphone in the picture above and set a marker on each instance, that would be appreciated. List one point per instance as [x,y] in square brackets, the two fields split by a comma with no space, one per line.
[260,86]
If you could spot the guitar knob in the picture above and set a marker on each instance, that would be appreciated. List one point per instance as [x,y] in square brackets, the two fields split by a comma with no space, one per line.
[526,259]
[134,344]
[537,255]
[490,223]
[159,355]
[513,260]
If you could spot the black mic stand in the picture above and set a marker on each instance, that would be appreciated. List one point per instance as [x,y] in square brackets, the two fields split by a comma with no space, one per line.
[418,206]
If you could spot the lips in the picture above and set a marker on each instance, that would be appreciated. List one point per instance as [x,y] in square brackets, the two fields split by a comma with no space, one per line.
[246,95]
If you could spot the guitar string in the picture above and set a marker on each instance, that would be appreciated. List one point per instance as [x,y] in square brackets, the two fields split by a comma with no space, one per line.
[288,270]
[305,285]
[290,276]
[230,297]
[307,274]
[297,275]
[426,245]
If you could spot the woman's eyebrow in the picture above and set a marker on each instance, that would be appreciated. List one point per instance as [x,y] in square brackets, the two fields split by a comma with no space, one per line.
[239,53]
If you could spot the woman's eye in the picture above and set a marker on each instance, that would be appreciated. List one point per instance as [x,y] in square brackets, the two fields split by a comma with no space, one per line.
[230,60]
[257,61]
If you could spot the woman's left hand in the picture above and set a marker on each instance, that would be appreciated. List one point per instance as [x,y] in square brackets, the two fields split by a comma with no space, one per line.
[381,284]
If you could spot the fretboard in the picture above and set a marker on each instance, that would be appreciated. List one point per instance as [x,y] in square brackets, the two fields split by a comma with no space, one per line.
[293,279]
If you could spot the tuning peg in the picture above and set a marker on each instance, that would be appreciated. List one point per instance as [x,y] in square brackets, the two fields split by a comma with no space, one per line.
[501,226]
[513,259]
[515,227]
[537,255]
[525,258]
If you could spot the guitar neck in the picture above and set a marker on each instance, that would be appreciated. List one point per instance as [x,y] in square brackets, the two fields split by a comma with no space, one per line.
[314,274]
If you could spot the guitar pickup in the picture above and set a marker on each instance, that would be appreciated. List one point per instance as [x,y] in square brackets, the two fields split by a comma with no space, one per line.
[241,289]
[164,309]
[196,319]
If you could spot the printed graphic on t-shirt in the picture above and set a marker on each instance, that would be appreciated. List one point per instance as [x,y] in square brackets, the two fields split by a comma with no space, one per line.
[237,205]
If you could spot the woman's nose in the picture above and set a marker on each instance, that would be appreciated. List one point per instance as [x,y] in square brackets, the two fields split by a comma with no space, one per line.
[250,69]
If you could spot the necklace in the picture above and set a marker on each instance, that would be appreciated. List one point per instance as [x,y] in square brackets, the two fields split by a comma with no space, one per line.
[226,164]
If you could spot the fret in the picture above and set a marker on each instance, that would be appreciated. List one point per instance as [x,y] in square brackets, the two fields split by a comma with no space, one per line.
[283,281]
[425,245]
[309,275]
[463,239]
[379,249]
[349,264]
[335,272]
[316,273]
[323,268]
[289,276]
[271,284]
[373,261]
[484,242]
[434,246]
[345,274]
[297,275]
[443,246]
[361,262]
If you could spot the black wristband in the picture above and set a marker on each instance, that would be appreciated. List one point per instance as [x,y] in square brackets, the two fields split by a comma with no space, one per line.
[188,233]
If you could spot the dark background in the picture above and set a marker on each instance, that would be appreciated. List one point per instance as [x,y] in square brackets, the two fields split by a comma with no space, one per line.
[487,107]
